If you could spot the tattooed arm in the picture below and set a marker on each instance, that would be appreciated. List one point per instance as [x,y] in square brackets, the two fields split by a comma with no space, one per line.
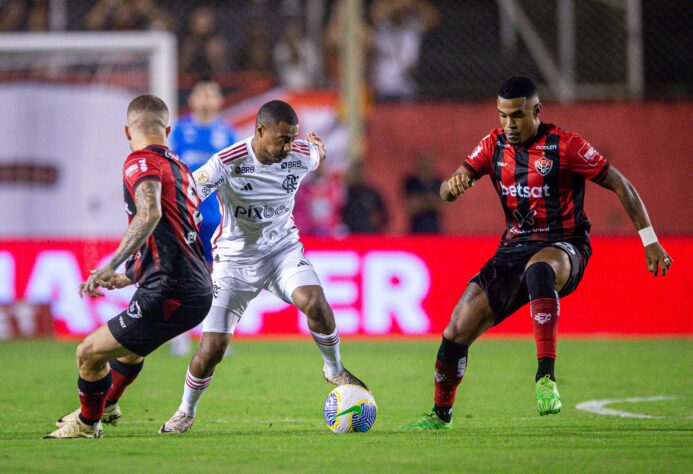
[655,255]
[148,204]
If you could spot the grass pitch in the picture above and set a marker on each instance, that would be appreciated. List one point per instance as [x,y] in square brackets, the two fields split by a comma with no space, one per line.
[263,411]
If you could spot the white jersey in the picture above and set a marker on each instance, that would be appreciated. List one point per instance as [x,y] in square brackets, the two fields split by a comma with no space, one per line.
[256,200]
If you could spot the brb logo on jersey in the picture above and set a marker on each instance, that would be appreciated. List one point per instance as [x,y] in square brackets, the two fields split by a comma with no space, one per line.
[290,183]
[288,165]
[244,169]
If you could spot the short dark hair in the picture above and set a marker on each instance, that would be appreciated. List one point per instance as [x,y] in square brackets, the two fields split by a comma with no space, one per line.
[518,86]
[148,103]
[276,111]
[149,114]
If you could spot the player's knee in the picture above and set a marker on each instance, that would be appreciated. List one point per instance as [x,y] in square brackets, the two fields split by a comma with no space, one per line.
[85,352]
[471,317]
[88,358]
[315,306]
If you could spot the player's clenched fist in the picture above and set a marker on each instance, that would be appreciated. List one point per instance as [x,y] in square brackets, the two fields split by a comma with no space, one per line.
[458,184]
[313,138]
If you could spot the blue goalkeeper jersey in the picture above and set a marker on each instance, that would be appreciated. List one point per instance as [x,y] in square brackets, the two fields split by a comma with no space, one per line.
[195,143]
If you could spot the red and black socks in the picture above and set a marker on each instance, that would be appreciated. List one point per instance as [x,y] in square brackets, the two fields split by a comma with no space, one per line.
[123,375]
[450,366]
[92,397]
[544,308]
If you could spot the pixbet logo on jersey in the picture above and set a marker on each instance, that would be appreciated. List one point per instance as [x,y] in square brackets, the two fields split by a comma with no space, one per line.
[257,213]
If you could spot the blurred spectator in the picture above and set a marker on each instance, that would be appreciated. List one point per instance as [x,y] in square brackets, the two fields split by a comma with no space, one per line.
[22,15]
[422,197]
[317,210]
[334,40]
[122,15]
[195,138]
[399,29]
[255,53]
[202,49]
[296,57]
[364,210]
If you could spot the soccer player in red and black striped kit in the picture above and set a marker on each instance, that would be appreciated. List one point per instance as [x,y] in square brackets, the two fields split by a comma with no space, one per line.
[164,257]
[539,173]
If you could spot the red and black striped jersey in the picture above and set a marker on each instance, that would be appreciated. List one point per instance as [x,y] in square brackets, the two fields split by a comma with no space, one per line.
[172,256]
[541,183]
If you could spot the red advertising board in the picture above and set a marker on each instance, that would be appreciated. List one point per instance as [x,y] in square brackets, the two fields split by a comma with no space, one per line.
[381,286]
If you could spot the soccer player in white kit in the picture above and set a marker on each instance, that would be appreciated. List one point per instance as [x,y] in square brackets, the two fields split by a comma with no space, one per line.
[257,247]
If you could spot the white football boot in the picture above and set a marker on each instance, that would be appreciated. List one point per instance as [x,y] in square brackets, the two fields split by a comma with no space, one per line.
[111,415]
[178,423]
[76,429]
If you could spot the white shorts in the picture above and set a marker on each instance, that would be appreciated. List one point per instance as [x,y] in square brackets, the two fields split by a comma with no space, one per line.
[235,286]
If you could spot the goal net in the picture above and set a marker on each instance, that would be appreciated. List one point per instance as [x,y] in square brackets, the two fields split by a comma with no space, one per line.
[63,98]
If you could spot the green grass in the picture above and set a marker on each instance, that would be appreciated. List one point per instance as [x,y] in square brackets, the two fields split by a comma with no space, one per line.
[263,411]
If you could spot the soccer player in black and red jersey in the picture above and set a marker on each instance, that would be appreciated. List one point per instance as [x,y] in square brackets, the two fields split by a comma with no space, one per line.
[163,256]
[539,173]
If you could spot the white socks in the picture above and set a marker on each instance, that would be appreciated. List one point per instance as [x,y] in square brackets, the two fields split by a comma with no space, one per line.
[192,391]
[329,347]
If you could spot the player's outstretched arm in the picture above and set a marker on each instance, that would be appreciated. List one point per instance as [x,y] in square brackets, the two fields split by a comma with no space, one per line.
[457,184]
[313,138]
[148,204]
[655,255]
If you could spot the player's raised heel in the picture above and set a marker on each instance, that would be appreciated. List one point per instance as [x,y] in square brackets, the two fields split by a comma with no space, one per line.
[344,378]
[430,421]
[111,415]
[548,399]
[178,423]
[76,429]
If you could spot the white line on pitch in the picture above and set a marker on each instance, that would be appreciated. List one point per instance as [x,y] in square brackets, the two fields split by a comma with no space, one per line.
[599,406]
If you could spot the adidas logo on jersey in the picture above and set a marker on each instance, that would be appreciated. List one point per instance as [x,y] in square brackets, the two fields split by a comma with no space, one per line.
[247,187]
[303,263]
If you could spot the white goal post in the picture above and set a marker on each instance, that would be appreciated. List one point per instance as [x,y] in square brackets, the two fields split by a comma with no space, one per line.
[158,46]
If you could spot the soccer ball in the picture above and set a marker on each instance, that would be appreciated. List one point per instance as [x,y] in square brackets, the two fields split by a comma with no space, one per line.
[350,408]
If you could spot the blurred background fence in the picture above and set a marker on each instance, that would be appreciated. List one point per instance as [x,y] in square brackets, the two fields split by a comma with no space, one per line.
[582,49]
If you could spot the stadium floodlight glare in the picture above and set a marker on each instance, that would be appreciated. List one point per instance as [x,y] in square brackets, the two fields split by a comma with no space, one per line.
[159,48]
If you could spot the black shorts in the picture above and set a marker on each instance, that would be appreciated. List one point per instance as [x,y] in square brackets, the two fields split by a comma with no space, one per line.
[503,277]
[154,317]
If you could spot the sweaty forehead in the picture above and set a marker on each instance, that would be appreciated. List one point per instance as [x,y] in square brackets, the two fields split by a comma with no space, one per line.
[284,129]
[509,106]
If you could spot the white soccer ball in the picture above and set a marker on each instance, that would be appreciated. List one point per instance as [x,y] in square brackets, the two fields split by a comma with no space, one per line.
[350,408]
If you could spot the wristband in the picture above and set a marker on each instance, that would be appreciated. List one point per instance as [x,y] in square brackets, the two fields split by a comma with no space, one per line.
[648,236]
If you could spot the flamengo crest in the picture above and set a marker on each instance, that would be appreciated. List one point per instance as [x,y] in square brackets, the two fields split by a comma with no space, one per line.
[290,183]
[543,165]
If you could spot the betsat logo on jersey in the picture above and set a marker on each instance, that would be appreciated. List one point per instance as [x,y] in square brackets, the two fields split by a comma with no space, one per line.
[350,408]
[525,191]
